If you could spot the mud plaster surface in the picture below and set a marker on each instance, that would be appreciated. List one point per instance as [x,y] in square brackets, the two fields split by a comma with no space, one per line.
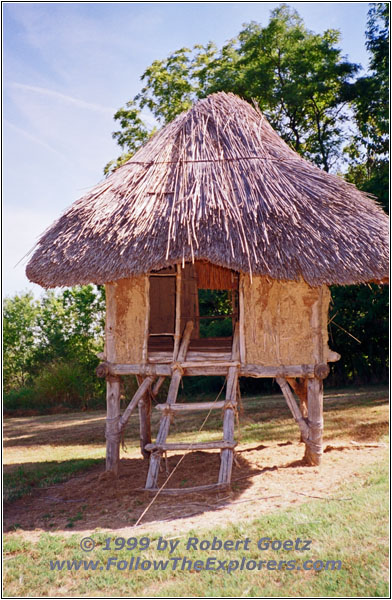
[127,305]
[285,322]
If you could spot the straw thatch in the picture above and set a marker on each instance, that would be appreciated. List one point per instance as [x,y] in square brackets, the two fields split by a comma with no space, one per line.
[217,184]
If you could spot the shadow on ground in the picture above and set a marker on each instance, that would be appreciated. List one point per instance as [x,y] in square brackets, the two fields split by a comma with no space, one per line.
[97,500]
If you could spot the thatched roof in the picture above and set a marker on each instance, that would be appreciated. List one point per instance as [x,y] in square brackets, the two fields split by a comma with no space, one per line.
[219,184]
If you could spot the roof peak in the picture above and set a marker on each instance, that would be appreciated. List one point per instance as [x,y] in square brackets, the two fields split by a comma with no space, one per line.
[217,183]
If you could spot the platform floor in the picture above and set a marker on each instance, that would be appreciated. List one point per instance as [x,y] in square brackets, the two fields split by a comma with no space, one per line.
[160,349]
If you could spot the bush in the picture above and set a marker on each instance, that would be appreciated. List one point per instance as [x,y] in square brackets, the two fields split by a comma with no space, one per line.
[21,399]
[68,384]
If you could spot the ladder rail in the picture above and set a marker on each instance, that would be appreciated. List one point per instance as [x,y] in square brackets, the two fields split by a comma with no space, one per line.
[230,408]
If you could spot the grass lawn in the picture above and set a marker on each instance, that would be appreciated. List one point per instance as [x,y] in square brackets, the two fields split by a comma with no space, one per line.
[349,525]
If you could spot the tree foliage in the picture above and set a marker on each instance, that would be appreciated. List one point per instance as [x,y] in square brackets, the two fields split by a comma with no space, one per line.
[50,345]
[20,315]
[369,166]
[299,79]
[363,310]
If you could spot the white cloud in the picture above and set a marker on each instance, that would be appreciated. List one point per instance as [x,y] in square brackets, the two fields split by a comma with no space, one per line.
[34,139]
[62,97]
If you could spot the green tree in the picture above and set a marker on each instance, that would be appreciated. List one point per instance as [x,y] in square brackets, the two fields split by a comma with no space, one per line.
[363,310]
[300,81]
[359,332]
[51,346]
[369,146]
[307,90]
[131,136]
[298,78]
[20,315]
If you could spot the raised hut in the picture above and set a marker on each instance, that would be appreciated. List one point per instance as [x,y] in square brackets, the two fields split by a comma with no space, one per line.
[215,200]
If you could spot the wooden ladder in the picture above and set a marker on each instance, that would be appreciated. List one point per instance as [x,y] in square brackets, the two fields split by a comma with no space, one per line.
[229,405]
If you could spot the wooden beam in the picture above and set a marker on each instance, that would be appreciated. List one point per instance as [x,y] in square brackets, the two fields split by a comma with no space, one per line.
[191,446]
[187,490]
[157,386]
[198,364]
[277,371]
[204,368]
[134,402]
[301,389]
[191,406]
[293,406]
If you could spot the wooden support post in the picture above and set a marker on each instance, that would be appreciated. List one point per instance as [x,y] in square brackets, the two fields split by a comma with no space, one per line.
[230,408]
[314,444]
[145,423]
[226,464]
[112,422]
[155,459]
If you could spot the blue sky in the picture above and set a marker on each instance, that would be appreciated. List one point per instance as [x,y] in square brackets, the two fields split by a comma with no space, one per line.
[67,67]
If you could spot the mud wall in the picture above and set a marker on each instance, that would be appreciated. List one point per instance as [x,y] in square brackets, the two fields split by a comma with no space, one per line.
[126,320]
[285,322]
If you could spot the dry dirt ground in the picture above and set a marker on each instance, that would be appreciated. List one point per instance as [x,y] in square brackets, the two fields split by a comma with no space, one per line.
[266,476]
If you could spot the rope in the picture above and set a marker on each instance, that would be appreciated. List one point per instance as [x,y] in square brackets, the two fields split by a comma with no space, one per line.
[317,423]
[314,425]
[176,366]
[232,405]
[203,160]
[317,448]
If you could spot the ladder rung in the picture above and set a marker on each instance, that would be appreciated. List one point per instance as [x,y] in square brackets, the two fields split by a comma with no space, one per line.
[190,406]
[186,490]
[192,364]
[190,446]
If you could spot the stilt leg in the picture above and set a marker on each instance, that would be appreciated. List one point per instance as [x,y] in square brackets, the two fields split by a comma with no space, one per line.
[112,422]
[314,444]
[145,423]
[227,455]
